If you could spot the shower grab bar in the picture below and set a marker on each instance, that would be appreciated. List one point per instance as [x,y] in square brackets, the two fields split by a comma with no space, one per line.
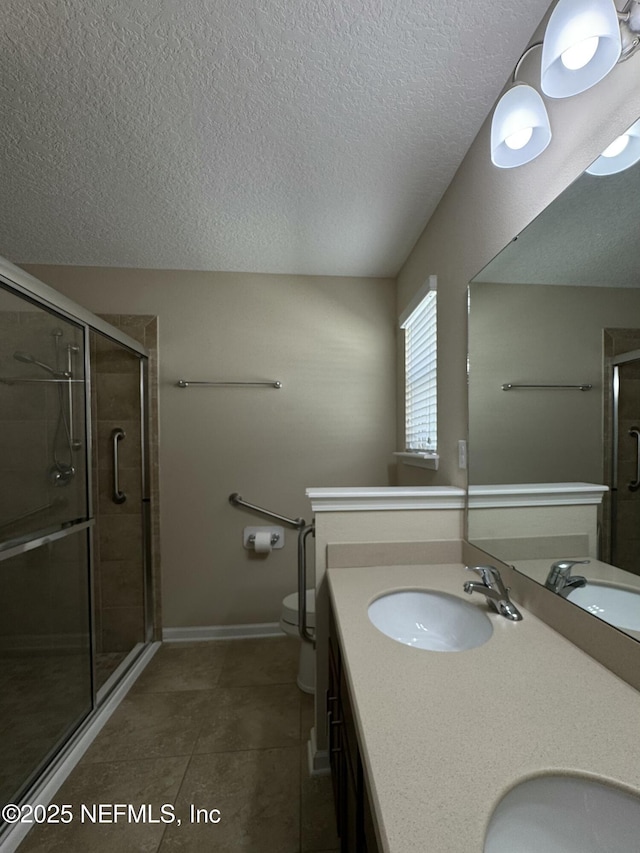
[116,436]
[305,634]
[585,387]
[187,383]
[634,485]
[236,500]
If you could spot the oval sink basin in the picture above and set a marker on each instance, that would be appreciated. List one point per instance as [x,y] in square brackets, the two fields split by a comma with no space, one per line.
[429,620]
[564,814]
[617,606]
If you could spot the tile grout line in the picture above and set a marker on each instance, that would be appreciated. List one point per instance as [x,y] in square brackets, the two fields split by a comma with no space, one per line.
[190,758]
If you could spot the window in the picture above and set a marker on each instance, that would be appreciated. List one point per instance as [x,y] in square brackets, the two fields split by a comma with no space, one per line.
[420,346]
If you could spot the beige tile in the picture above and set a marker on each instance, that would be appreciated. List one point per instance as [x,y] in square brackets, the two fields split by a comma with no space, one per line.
[25,446]
[183,666]
[106,664]
[150,725]
[256,717]
[151,782]
[122,583]
[257,793]
[273,660]
[111,357]
[118,396]
[120,537]
[121,628]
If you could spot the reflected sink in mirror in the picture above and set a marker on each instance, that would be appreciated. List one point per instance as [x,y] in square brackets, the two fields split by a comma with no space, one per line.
[564,814]
[617,606]
[430,620]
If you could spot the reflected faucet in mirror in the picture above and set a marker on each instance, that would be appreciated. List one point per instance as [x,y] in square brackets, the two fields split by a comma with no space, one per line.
[561,581]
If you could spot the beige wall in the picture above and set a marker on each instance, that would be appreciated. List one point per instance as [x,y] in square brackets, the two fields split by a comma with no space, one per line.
[330,341]
[540,334]
[481,211]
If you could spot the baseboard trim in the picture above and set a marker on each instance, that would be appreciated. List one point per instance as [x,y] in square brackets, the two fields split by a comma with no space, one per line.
[221,632]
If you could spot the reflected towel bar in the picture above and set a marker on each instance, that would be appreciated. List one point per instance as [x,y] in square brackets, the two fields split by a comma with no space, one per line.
[509,385]
[187,383]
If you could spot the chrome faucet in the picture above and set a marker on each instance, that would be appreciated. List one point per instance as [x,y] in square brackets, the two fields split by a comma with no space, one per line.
[561,581]
[494,590]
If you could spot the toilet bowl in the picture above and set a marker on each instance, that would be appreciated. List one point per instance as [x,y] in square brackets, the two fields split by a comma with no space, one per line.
[306,679]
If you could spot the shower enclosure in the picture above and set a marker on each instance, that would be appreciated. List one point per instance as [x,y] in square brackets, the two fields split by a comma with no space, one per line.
[75,580]
[624,527]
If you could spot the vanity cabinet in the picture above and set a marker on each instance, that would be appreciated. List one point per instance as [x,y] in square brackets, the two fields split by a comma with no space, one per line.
[354,816]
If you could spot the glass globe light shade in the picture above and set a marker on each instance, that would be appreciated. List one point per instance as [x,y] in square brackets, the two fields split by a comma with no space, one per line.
[520,128]
[623,153]
[581,45]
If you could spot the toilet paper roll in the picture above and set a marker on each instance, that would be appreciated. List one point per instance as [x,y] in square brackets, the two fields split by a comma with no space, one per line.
[262,544]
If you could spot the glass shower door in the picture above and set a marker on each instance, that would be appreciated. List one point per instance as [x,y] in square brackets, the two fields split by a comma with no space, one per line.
[45,633]
[625,493]
[120,496]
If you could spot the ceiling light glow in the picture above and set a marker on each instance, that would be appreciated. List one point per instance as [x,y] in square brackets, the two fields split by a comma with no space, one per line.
[617,146]
[519,139]
[580,54]
[623,153]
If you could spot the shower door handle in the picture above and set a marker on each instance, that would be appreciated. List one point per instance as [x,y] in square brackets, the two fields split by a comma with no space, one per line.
[118,497]
[634,485]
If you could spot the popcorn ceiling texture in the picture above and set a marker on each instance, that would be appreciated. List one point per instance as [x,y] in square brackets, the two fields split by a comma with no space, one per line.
[300,136]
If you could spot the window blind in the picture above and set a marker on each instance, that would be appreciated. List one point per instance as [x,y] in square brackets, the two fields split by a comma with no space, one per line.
[421,403]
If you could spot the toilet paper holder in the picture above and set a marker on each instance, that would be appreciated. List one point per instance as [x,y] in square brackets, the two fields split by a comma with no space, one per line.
[249,536]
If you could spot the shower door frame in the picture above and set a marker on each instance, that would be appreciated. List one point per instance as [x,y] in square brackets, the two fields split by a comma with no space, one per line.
[102,691]
[39,294]
[615,362]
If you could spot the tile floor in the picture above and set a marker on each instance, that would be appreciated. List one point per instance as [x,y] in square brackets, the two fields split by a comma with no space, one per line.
[216,725]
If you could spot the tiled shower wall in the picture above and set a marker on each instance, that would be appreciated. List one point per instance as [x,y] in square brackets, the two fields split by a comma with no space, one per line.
[118,541]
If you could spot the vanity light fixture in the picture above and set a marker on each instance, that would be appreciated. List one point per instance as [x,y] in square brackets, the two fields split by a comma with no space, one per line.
[583,41]
[520,129]
[620,155]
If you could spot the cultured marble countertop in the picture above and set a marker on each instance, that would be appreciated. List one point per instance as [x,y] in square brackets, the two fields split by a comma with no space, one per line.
[445,735]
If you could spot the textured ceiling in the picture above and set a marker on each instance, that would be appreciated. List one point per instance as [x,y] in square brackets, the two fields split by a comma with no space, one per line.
[301,136]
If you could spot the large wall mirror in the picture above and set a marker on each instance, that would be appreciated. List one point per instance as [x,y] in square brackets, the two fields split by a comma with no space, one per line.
[554,399]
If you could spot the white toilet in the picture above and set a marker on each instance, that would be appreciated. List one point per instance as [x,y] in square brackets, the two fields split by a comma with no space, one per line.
[289,623]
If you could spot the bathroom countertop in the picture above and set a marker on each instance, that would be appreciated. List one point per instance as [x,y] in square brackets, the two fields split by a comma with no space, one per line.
[445,735]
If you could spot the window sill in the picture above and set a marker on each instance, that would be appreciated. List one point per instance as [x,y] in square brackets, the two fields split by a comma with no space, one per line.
[419,460]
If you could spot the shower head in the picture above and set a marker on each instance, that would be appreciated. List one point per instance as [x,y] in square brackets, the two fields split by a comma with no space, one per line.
[27,358]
